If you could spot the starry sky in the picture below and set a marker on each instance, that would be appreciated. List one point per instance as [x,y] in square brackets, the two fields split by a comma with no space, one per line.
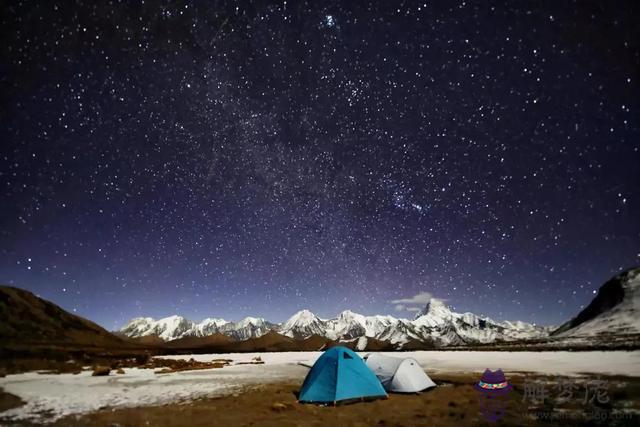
[223,159]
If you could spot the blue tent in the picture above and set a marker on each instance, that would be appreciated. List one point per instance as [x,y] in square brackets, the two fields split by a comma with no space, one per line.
[339,375]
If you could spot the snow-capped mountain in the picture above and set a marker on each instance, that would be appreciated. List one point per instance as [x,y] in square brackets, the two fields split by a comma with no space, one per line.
[303,324]
[614,311]
[167,328]
[445,327]
[174,327]
[209,326]
[346,326]
[435,324]
[435,313]
[349,325]
[249,327]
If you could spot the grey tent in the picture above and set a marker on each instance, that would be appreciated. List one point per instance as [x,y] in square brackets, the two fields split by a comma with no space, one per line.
[399,375]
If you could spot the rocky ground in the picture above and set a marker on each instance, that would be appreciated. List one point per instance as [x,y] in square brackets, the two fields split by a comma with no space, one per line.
[454,402]
[104,365]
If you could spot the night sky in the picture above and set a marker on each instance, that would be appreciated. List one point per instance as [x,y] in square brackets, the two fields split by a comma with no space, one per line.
[208,159]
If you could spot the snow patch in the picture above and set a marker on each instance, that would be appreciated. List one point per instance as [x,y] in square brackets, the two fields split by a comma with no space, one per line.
[50,396]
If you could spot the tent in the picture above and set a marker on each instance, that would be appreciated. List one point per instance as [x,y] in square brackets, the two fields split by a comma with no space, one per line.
[340,375]
[399,375]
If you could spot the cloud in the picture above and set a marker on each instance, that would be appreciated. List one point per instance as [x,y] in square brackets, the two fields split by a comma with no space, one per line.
[420,298]
[414,303]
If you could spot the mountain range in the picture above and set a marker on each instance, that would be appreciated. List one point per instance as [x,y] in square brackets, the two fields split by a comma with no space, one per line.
[32,328]
[175,327]
[614,310]
[435,324]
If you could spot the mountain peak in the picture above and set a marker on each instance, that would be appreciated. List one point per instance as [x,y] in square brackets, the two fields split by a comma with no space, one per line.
[302,324]
[214,321]
[304,312]
[251,321]
[614,309]
[435,308]
[173,318]
[348,314]
[302,316]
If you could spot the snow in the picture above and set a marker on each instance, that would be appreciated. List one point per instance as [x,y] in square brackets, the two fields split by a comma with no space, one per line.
[167,328]
[51,396]
[545,362]
[208,326]
[436,322]
[303,317]
[174,327]
[214,321]
[249,327]
[435,313]
[250,321]
[621,319]
[303,323]
[361,344]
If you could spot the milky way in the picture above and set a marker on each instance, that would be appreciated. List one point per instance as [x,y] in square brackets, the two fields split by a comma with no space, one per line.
[209,159]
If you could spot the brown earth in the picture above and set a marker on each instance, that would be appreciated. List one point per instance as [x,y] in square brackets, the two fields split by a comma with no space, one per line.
[214,340]
[413,345]
[37,334]
[151,340]
[27,319]
[454,403]
[271,341]
[315,343]
[8,401]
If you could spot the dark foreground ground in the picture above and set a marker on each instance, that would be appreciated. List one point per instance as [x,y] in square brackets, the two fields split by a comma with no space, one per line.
[454,403]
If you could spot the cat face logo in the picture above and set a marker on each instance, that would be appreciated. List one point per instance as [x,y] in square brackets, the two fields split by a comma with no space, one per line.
[493,394]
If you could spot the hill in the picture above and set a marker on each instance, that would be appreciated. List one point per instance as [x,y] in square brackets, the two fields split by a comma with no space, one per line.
[30,320]
[615,310]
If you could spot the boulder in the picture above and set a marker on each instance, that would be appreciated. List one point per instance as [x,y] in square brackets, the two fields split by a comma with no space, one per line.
[279,407]
[100,371]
